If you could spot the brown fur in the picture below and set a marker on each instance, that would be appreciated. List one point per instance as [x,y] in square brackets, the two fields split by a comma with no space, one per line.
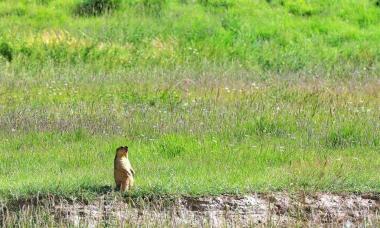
[123,171]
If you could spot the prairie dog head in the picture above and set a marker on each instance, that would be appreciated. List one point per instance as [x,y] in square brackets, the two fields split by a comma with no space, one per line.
[122,152]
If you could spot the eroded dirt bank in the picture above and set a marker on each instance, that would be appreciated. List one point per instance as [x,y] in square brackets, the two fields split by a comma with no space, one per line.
[253,209]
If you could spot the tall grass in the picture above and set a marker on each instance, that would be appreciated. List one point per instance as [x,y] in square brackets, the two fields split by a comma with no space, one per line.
[96,7]
[337,39]
[200,136]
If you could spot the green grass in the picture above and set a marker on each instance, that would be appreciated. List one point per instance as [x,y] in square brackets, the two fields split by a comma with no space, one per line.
[211,96]
[59,135]
[336,39]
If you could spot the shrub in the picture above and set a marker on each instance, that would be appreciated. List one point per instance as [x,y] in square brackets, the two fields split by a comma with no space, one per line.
[6,51]
[96,7]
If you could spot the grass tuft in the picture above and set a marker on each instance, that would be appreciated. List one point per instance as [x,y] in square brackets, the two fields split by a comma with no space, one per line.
[345,136]
[154,7]
[170,147]
[96,7]
[6,51]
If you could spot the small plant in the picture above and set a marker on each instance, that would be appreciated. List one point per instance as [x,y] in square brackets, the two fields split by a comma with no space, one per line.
[170,147]
[96,7]
[231,24]
[343,137]
[300,8]
[203,2]
[262,126]
[6,51]
[43,2]
[216,3]
[154,7]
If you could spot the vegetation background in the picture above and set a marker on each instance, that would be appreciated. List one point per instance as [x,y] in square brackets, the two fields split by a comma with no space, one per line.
[211,96]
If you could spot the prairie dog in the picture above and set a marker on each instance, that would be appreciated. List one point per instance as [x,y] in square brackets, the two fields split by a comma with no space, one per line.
[123,171]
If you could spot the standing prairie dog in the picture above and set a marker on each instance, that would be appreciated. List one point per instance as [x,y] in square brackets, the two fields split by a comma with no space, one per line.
[123,171]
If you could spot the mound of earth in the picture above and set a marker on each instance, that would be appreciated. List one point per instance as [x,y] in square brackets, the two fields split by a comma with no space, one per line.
[254,209]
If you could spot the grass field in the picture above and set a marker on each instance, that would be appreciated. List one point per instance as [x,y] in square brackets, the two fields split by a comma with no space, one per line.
[211,96]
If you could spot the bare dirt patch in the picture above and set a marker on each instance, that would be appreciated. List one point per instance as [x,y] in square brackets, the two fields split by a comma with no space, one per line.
[254,209]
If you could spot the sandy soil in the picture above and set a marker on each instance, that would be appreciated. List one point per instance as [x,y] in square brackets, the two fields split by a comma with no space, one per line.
[254,209]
